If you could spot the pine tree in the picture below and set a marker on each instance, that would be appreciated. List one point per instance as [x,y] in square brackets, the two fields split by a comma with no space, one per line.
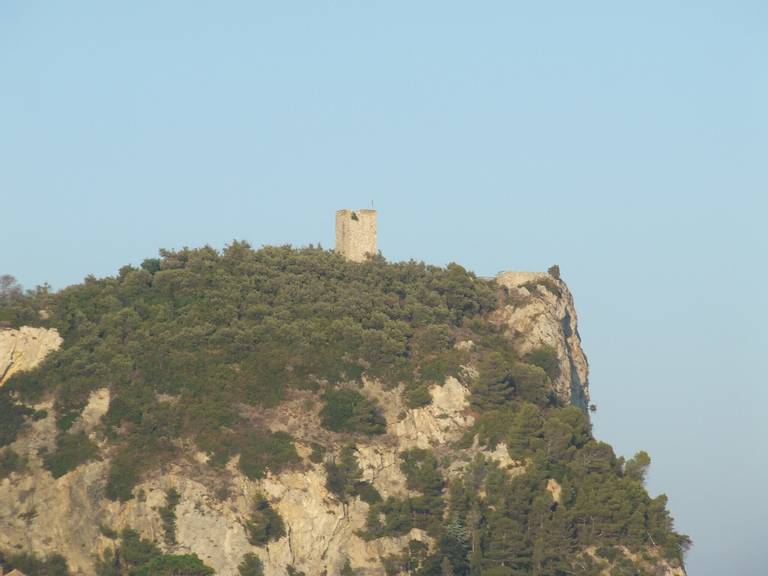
[507,546]
[525,431]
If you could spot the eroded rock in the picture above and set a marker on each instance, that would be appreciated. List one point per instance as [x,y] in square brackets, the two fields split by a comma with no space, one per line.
[541,312]
[25,348]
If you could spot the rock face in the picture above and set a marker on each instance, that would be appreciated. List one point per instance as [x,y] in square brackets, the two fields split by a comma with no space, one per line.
[541,312]
[440,422]
[25,348]
[43,515]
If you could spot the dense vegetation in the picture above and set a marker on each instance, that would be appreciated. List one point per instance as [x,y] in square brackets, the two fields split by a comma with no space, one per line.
[251,565]
[265,523]
[183,342]
[168,516]
[54,565]
[499,523]
[9,462]
[193,344]
[138,557]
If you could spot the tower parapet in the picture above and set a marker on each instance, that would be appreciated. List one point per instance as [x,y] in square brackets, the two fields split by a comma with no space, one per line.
[356,234]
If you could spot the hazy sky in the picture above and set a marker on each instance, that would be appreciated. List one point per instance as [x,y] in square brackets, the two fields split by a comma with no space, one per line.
[625,141]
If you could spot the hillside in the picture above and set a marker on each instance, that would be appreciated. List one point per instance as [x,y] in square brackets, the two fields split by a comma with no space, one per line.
[287,411]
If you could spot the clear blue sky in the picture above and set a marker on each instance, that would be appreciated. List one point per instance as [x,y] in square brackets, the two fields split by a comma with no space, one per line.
[625,141]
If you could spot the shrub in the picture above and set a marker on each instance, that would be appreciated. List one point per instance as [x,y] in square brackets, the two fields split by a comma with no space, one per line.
[343,478]
[265,524]
[349,411]
[9,462]
[503,379]
[72,450]
[11,418]
[108,532]
[54,565]
[439,367]
[367,492]
[433,339]
[262,450]
[318,453]
[417,395]
[123,475]
[181,565]
[251,566]
[545,358]
[168,516]
[422,471]
[138,557]
[342,475]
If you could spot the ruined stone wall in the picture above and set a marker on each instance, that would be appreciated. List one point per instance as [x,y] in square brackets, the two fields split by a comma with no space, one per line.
[356,234]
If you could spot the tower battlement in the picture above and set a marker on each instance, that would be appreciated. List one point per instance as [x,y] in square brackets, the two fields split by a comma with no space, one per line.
[356,234]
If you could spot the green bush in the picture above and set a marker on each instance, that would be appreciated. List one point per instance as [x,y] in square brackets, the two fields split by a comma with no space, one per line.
[545,358]
[168,516]
[12,417]
[138,557]
[262,450]
[344,478]
[349,411]
[503,379]
[54,565]
[251,566]
[366,492]
[181,565]
[422,471]
[343,474]
[123,474]
[72,450]
[438,367]
[9,462]
[317,455]
[417,395]
[265,523]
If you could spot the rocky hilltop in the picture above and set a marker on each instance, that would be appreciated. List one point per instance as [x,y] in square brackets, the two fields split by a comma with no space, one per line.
[425,477]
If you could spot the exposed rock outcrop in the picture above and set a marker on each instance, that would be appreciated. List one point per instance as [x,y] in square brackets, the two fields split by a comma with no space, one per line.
[440,422]
[43,515]
[540,313]
[25,348]
[650,560]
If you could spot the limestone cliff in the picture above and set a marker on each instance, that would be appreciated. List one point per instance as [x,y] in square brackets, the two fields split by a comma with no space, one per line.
[541,312]
[67,515]
[25,348]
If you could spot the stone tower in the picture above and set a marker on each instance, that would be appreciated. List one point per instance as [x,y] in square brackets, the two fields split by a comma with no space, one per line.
[356,234]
